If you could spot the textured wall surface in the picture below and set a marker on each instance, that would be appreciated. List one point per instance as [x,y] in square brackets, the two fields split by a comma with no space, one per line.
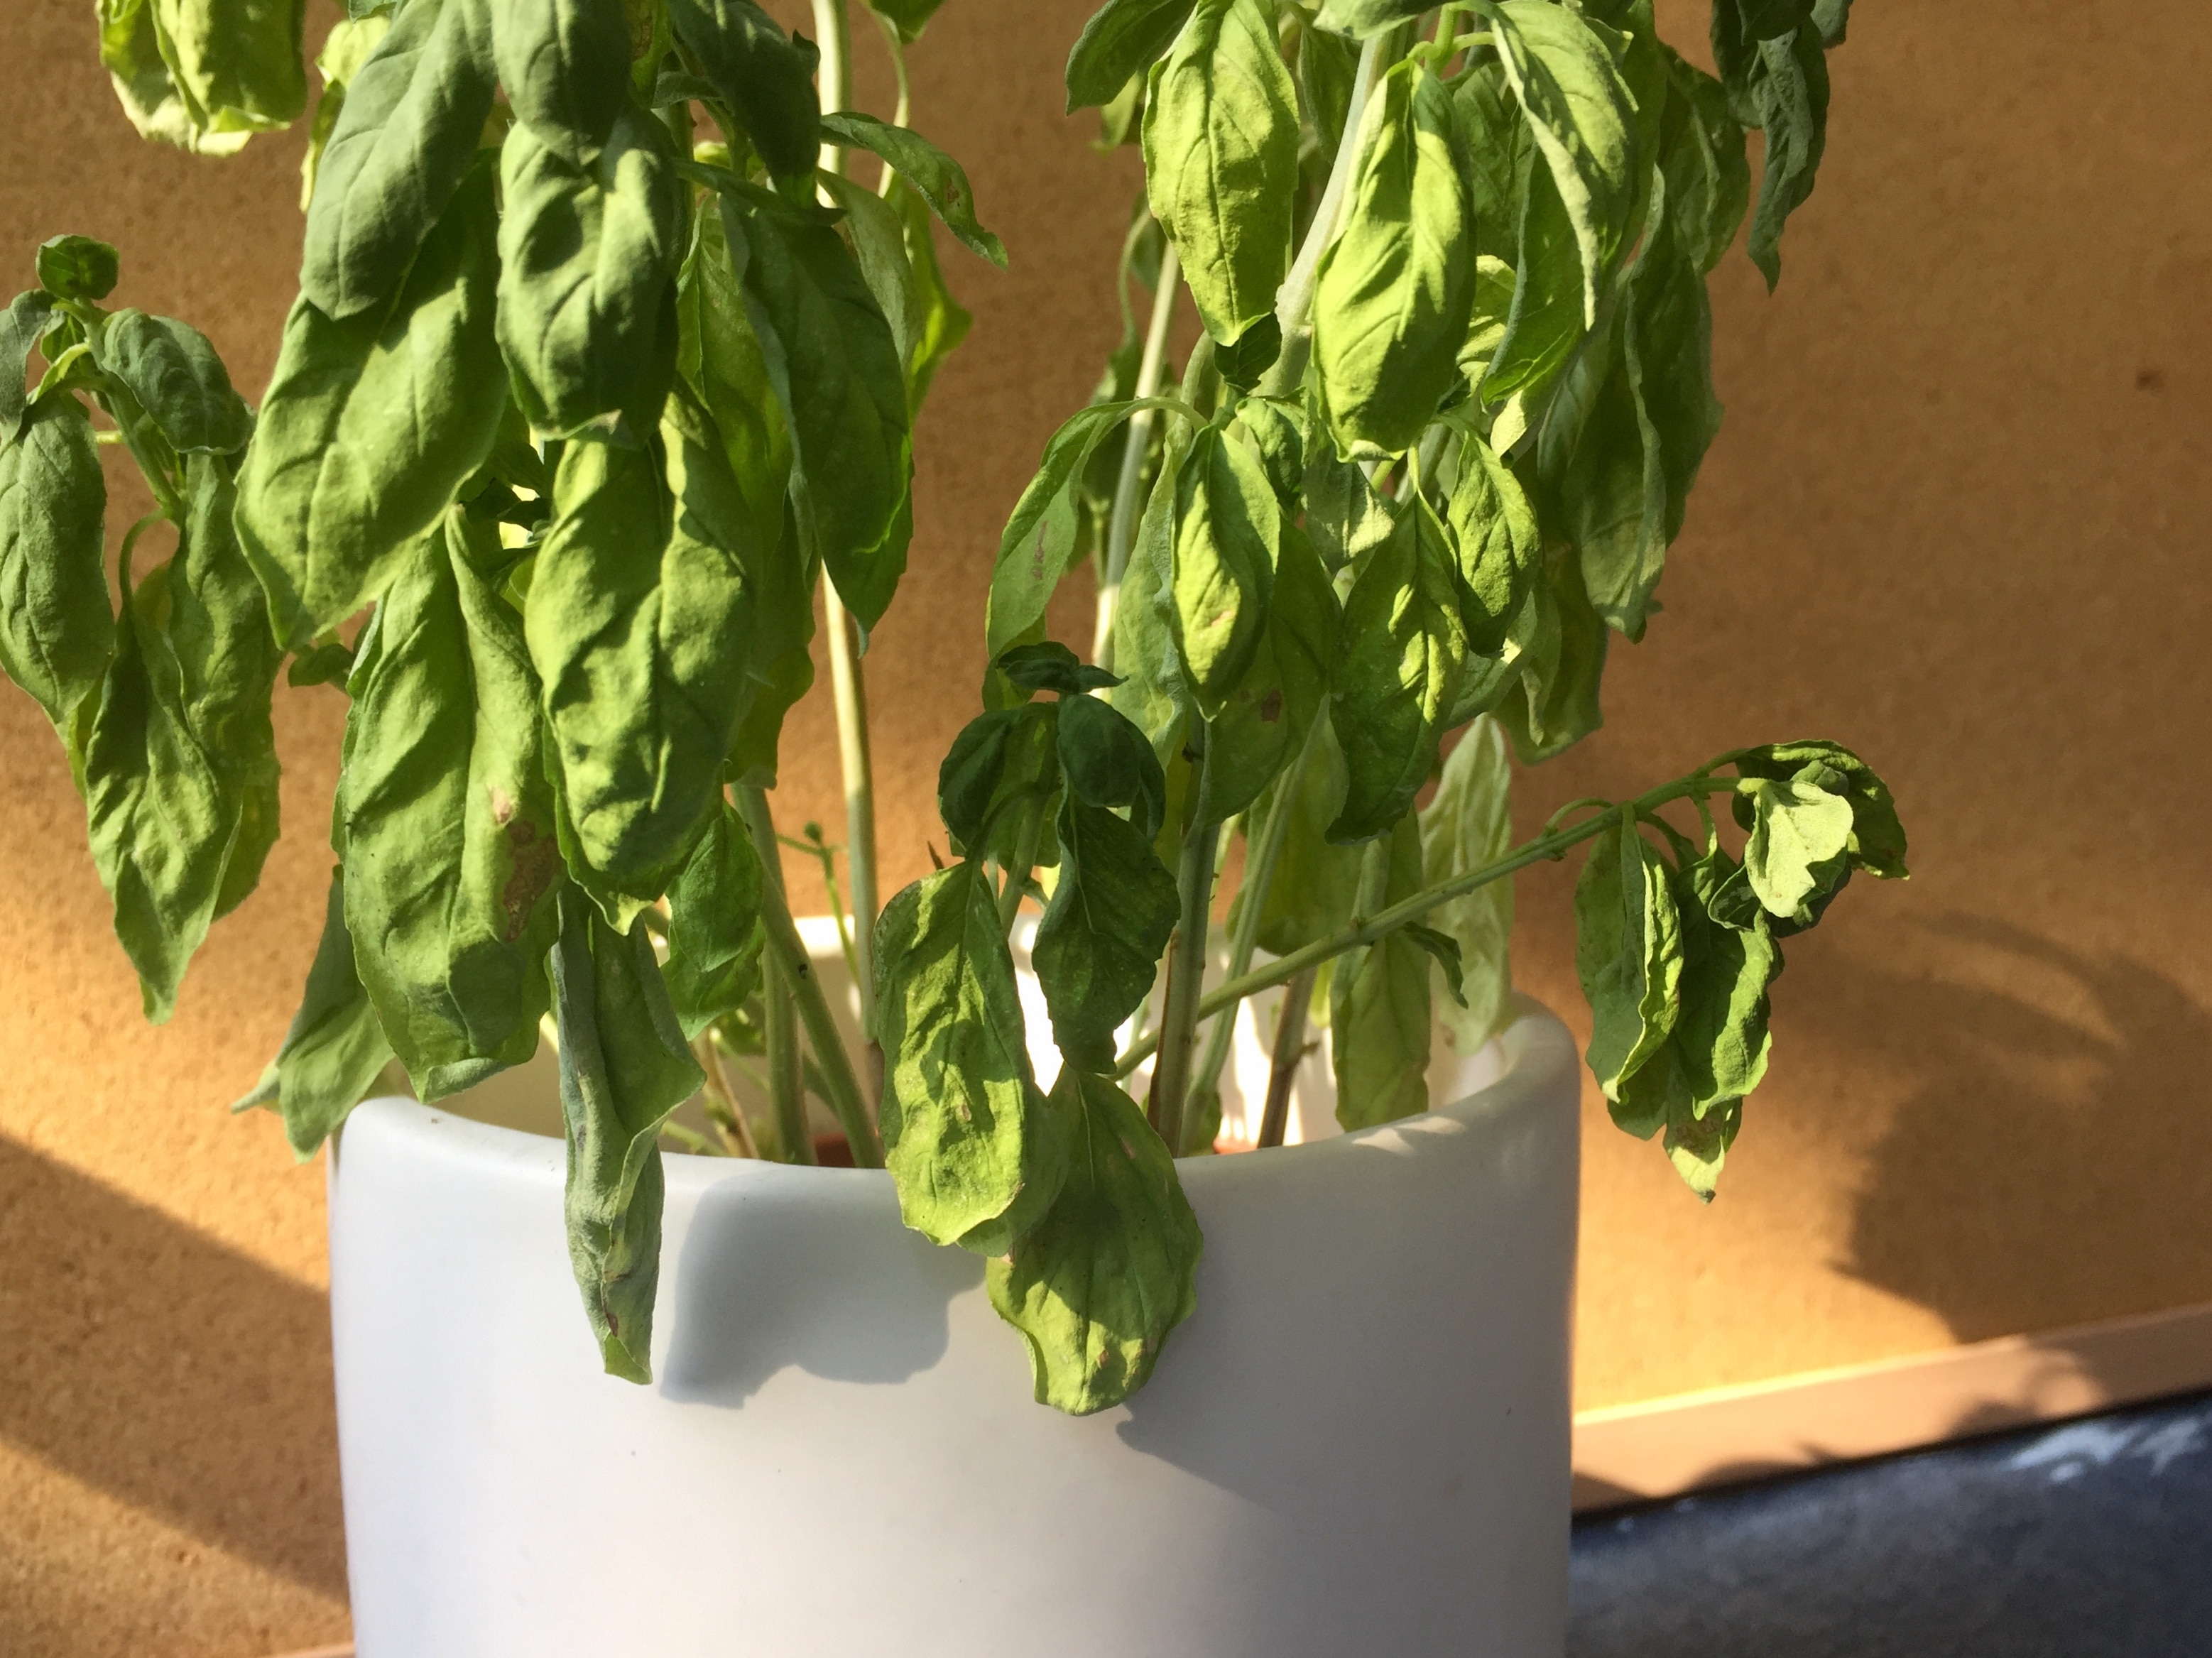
[1956,518]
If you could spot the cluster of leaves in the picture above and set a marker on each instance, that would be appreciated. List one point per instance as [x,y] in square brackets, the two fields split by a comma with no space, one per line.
[585,404]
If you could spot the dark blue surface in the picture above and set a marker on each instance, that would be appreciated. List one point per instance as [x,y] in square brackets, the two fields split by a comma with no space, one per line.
[2092,1539]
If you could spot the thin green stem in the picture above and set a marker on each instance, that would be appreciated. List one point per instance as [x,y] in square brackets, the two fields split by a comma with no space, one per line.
[1186,981]
[786,954]
[1366,932]
[787,1100]
[1122,527]
[833,34]
[1261,858]
[1290,1051]
[723,1109]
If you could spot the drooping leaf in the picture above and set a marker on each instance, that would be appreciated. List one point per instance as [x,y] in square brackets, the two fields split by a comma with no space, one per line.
[334,1050]
[834,361]
[624,1067]
[205,75]
[1098,944]
[587,251]
[1344,516]
[975,1150]
[1003,765]
[1221,160]
[1050,665]
[640,629]
[452,862]
[1263,722]
[1227,532]
[1317,883]
[873,230]
[1778,83]
[371,425]
[1379,1010]
[1556,648]
[564,66]
[1117,45]
[57,623]
[1497,146]
[764,75]
[1403,652]
[715,933]
[1702,153]
[935,176]
[1500,551]
[721,360]
[173,372]
[1040,538]
[404,134]
[1097,1285]
[780,667]
[1628,953]
[1397,286]
[943,323]
[1798,850]
[1877,843]
[1468,826]
[909,17]
[1546,321]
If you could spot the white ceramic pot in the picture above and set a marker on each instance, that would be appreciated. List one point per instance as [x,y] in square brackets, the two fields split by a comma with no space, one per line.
[1359,1445]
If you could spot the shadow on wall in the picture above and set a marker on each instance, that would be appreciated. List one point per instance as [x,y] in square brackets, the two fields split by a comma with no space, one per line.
[2045,1080]
[170,1372]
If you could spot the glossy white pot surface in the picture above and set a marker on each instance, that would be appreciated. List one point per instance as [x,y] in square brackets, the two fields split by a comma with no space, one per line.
[1359,1445]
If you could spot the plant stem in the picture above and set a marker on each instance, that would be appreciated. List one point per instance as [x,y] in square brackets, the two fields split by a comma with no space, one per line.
[1186,981]
[1294,300]
[787,1100]
[727,1115]
[1252,897]
[1360,933]
[786,958]
[1122,527]
[1290,1052]
[833,34]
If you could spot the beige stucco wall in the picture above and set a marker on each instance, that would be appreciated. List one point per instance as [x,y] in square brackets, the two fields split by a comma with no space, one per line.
[1957,519]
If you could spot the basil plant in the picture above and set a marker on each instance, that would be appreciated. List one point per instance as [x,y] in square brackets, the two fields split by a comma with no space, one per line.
[605,367]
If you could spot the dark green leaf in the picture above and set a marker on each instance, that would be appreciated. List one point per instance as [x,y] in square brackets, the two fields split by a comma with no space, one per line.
[1117,45]
[1004,763]
[936,176]
[1702,153]
[404,136]
[1403,652]
[974,1148]
[1556,656]
[328,663]
[877,236]
[1500,550]
[1112,1268]
[1778,83]
[1397,286]
[22,325]
[624,1067]
[1264,721]
[452,862]
[1050,665]
[586,252]
[781,666]
[1221,160]
[1108,763]
[172,371]
[1040,538]
[372,424]
[765,76]
[334,1050]
[834,361]
[1379,1009]
[56,623]
[909,17]
[1098,945]
[77,268]
[564,65]
[943,324]
[715,933]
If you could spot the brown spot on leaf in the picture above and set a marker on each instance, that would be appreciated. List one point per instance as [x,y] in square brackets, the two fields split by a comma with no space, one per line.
[536,866]
[1271,707]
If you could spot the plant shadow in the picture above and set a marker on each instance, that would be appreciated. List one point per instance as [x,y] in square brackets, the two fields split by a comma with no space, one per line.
[169,1371]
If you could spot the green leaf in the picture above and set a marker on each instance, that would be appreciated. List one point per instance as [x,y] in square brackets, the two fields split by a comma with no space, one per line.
[334,1050]
[909,17]
[23,327]
[1040,538]
[586,253]
[345,49]
[57,623]
[130,49]
[1050,665]
[1227,533]
[943,324]
[1005,761]
[1467,826]
[624,1067]
[452,861]
[1344,516]
[1361,18]
[1276,432]
[1112,1268]
[1797,851]
[1098,944]
[720,359]
[1403,652]
[1778,83]
[780,668]
[1702,155]
[877,236]
[714,933]
[1152,692]
[971,1142]
[1221,160]
[1565,71]
[1380,1015]
[640,629]
[765,76]
[173,372]
[1316,884]
[1546,321]
[371,425]
[77,268]
[834,361]
[1263,722]
[1556,650]
[936,176]
[1628,953]
[206,74]
[1496,147]
[404,134]
[564,65]
[1500,550]
[1396,287]
[1117,45]
[1877,843]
